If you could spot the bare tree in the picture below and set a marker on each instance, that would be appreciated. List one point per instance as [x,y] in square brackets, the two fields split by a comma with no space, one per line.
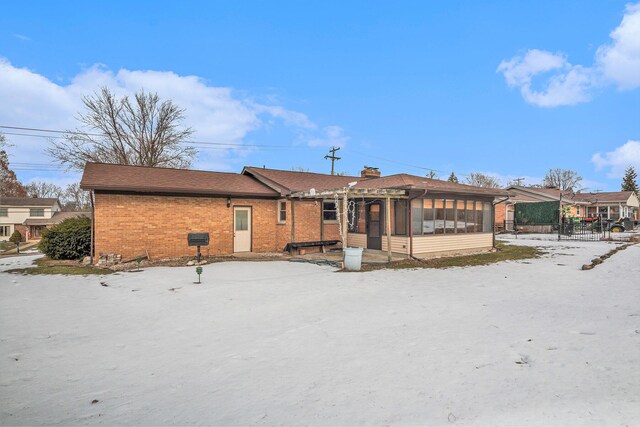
[75,198]
[144,131]
[41,190]
[482,180]
[432,175]
[9,184]
[564,179]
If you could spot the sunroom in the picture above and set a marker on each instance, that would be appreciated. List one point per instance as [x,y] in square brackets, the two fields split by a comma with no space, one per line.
[427,218]
[436,224]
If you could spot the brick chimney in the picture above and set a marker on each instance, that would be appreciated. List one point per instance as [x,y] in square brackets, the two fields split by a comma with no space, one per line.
[370,172]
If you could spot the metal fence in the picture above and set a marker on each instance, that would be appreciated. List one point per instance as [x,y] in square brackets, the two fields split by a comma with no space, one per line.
[571,229]
[583,230]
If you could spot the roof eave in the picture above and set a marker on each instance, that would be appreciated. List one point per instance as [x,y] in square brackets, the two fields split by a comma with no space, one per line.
[185,191]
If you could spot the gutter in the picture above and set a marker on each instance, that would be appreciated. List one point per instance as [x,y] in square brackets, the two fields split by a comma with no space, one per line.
[93,227]
[494,218]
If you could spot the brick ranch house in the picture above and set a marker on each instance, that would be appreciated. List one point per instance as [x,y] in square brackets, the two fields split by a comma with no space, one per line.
[141,210]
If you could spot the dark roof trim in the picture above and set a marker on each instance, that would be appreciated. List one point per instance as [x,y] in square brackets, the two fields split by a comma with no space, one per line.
[191,193]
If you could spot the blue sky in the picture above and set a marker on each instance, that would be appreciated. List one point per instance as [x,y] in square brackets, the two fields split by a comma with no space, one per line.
[399,85]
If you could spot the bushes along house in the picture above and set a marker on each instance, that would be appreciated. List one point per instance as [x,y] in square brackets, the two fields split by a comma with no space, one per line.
[71,239]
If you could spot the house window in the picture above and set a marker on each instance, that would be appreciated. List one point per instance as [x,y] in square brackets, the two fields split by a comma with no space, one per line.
[471,216]
[400,217]
[439,215]
[461,217]
[329,211]
[356,217]
[36,212]
[428,217]
[479,218]
[282,211]
[416,217]
[5,230]
[4,212]
[486,223]
[450,219]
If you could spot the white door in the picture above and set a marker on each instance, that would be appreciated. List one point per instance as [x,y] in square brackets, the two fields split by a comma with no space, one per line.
[241,229]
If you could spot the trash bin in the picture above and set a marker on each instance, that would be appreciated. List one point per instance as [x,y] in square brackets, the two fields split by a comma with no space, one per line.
[352,259]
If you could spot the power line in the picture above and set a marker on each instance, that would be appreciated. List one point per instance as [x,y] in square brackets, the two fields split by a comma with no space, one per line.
[230,144]
[219,145]
[384,159]
[207,145]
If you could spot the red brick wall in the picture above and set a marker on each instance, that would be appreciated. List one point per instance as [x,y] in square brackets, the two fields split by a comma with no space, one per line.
[130,224]
[500,214]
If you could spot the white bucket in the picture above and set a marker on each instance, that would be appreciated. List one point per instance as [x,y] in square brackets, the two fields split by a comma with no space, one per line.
[352,259]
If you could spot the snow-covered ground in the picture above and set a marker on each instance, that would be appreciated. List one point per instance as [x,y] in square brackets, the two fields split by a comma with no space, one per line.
[535,342]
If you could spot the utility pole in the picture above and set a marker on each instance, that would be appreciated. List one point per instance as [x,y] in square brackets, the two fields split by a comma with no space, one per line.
[518,181]
[333,157]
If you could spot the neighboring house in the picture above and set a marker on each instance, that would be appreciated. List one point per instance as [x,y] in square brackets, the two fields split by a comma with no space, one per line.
[518,194]
[16,211]
[611,205]
[35,226]
[140,210]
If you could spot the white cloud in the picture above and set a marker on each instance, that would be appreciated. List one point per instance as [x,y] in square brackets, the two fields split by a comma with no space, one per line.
[566,84]
[333,136]
[619,159]
[568,87]
[519,70]
[217,114]
[293,118]
[620,60]
[21,37]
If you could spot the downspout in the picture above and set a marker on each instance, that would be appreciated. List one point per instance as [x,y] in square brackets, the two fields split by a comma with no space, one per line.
[409,200]
[493,218]
[387,215]
[293,222]
[322,220]
[93,232]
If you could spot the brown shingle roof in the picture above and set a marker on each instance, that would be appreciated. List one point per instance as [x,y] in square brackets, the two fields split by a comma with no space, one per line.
[291,181]
[57,218]
[139,179]
[27,201]
[604,197]
[406,181]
